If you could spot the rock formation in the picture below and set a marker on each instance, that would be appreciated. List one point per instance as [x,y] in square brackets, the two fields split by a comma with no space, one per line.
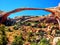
[5,15]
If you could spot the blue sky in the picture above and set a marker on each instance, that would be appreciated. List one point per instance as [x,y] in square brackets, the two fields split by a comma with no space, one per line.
[8,5]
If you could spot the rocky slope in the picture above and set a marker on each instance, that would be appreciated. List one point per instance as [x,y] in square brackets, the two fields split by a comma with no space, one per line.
[30,30]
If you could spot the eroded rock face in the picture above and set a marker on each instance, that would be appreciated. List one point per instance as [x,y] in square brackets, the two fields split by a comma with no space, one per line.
[51,20]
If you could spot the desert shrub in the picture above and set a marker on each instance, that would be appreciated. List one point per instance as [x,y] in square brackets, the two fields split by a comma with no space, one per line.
[3,38]
[43,26]
[1,41]
[41,33]
[33,43]
[34,24]
[44,41]
[28,23]
[16,27]
[18,40]
[58,31]
[58,43]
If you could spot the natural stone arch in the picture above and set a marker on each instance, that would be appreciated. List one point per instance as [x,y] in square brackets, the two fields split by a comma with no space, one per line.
[5,15]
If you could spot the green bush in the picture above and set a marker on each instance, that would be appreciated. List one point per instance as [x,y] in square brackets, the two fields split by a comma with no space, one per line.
[18,40]
[58,43]
[15,27]
[33,43]
[43,25]
[44,42]
[3,38]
